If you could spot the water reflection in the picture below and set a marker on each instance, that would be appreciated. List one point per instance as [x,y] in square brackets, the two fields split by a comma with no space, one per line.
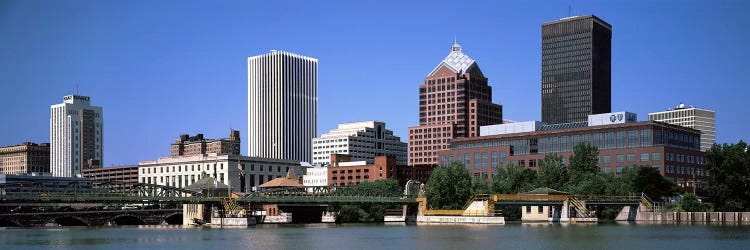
[378,236]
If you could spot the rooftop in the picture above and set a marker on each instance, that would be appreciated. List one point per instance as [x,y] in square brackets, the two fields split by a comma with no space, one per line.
[457,61]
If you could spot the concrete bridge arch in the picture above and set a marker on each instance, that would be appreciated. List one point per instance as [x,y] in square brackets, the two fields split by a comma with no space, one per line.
[173,219]
[70,221]
[128,220]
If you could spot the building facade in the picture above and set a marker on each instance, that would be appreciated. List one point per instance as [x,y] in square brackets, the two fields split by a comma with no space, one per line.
[25,158]
[316,176]
[76,136]
[123,176]
[343,171]
[454,101]
[362,140]
[197,145]
[576,69]
[282,105]
[673,150]
[703,120]
[240,173]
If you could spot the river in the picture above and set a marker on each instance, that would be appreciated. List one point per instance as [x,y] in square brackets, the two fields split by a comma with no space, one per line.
[378,236]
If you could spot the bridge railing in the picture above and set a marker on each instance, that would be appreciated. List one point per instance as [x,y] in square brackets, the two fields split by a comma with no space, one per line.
[606,198]
[91,190]
[529,197]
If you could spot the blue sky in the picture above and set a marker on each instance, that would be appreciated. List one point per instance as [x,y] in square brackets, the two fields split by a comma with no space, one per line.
[162,68]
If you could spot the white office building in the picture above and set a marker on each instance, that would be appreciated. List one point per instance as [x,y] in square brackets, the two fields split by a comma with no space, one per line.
[362,140]
[182,171]
[691,117]
[315,176]
[282,105]
[76,136]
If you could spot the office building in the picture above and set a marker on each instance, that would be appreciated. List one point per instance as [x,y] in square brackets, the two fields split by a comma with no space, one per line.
[703,120]
[576,69]
[362,140]
[76,136]
[197,145]
[454,101]
[25,158]
[343,171]
[315,176]
[622,141]
[120,177]
[240,173]
[282,105]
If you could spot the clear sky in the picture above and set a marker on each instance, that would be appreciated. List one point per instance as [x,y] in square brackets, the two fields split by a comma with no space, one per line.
[163,68]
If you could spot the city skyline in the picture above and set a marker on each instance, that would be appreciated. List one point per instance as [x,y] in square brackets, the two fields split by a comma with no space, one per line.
[145,83]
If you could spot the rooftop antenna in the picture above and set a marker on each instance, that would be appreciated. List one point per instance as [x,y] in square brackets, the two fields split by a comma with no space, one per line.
[76,88]
[569,7]
[455,41]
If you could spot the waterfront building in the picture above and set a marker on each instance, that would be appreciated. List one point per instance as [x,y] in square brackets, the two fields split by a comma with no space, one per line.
[315,176]
[344,171]
[576,69]
[622,141]
[282,105]
[76,136]
[197,145]
[123,176]
[240,173]
[25,158]
[362,140]
[454,101]
[701,119]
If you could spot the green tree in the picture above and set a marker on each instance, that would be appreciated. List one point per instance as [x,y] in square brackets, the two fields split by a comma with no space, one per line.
[648,180]
[729,181]
[583,162]
[481,187]
[513,179]
[552,173]
[449,187]
[690,203]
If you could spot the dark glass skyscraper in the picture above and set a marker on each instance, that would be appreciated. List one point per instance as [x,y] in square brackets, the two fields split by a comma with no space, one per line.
[576,69]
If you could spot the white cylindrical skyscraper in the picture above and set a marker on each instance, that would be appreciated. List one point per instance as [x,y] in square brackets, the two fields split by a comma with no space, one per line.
[282,104]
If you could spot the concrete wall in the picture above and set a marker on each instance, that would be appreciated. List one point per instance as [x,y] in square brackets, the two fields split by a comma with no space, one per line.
[682,217]
[533,214]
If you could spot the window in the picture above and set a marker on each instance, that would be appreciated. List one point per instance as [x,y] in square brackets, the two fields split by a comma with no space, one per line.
[476,160]
[644,157]
[631,158]
[620,158]
[656,156]
[598,140]
[645,137]
[619,170]
[528,209]
[494,160]
[609,140]
[632,138]
[484,160]
[539,209]
[467,160]
[621,136]
[606,158]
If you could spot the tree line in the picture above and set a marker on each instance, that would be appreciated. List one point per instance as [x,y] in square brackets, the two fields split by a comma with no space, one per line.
[451,186]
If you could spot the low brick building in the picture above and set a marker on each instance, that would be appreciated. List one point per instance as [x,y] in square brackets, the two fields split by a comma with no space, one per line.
[673,150]
[25,158]
[125,176]
[342,171]
[188,145]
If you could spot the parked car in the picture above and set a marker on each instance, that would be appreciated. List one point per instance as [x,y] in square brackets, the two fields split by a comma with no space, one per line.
[112,207]
[130,207]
